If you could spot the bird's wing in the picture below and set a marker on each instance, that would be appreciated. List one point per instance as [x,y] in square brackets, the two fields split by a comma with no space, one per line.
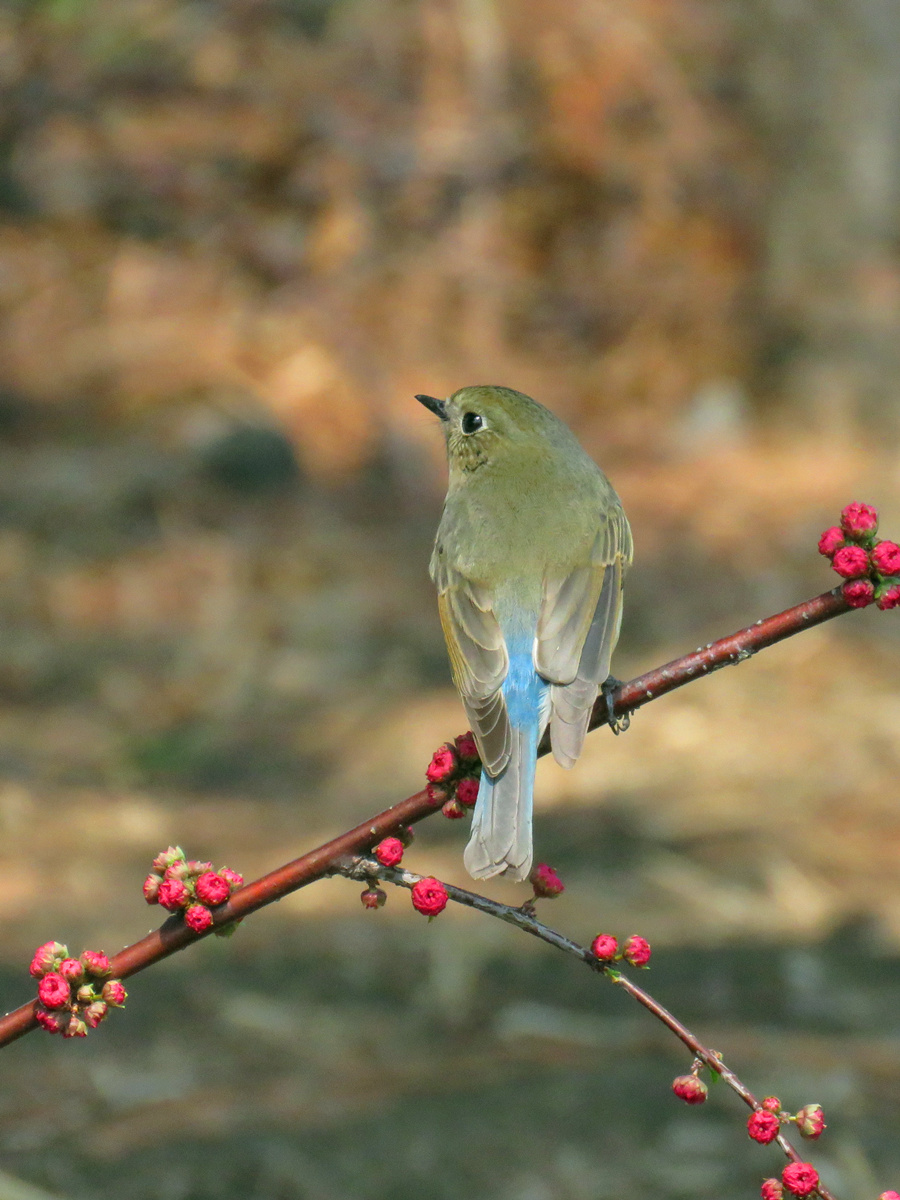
[478,660]
[577,631]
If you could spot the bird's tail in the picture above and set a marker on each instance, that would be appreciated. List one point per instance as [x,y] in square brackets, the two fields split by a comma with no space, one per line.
[501,841]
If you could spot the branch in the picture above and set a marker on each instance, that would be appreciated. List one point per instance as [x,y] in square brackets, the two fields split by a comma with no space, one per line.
[366,869]
[174,935]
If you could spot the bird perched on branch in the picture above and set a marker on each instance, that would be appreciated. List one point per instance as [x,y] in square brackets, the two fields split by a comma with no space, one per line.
[528,561]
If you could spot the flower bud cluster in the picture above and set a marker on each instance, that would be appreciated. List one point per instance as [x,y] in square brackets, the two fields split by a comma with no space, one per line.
[635,951]
[453,775]
[870,565]
[185,885]
[73,993]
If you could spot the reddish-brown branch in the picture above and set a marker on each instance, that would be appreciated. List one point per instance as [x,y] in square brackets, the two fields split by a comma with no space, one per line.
[175,935]
[524,919]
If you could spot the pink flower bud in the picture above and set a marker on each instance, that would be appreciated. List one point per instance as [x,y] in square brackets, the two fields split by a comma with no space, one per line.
[197,917]
[212,888]
[436,795]
[546,882]
[173,895]
[605,947]
[467,747]
[71,969]
[800,1179]
[858,593]
[114,993]
[96,963]
[232,878]
[772,1104]
[53,1022]
[54,991]
[690,1089]
[850,561]
[832,539]
[429,897]
[763,1127]
[389,851]
[886,558]
[453,810]
[810,1121]
[151,888]
[373,897]
[162,861]
[888,597]
[889,1196]
[75,1028]
[637,951]
[180,871]
[771,1189]
[442,765]
[859,520]
[47,958]
[96,1012]
[467,792]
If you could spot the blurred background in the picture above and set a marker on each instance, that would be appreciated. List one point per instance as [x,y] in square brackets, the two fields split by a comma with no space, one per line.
[235,238]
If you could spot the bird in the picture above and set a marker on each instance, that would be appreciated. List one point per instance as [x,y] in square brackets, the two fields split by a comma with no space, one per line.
[529,561]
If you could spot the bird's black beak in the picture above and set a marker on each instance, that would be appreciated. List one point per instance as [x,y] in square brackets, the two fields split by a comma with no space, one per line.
[438,407]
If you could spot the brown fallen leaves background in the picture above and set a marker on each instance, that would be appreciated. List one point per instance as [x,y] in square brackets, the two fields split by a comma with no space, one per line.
[235,238]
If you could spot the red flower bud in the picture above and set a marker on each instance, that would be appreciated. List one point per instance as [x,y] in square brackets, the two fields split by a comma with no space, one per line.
[53,1022]
[96,963]
[637,951]
[467,792]
[54,991]
[212,888]
[772,1104]
[389,852]
[442,765]
[771,1189]
[71,969]
[859,520]
[47,958]
[690,1089]
[165,860]
[173,895]
[850,561]
[810,1121]
[888,597]
[889,1196]
[453,810]
[114,993]
[197,917]
[467,747]
[232,878]
[429,897]
[886,558]
[546,882]
[96,1012]
[436,795]
[763,1127]
[373,897]
[800,1179]
[75,1027]
[605,947]
[858,593]
[151,888]
[832,539]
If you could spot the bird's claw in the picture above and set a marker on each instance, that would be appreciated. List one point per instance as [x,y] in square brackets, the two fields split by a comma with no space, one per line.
[607,690]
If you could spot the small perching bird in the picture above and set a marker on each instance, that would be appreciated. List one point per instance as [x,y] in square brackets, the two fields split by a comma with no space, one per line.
[528,561]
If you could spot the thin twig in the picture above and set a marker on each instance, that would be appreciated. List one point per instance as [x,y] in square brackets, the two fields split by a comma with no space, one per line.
[365,869]
[174,935]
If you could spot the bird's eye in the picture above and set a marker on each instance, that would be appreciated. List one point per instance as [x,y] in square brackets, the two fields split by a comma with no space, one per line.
[472,422]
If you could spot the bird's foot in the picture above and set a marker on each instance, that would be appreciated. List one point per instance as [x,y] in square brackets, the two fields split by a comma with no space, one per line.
[607,690]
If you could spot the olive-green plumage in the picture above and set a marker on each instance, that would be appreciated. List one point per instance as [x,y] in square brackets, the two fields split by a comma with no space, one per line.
[528,562]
